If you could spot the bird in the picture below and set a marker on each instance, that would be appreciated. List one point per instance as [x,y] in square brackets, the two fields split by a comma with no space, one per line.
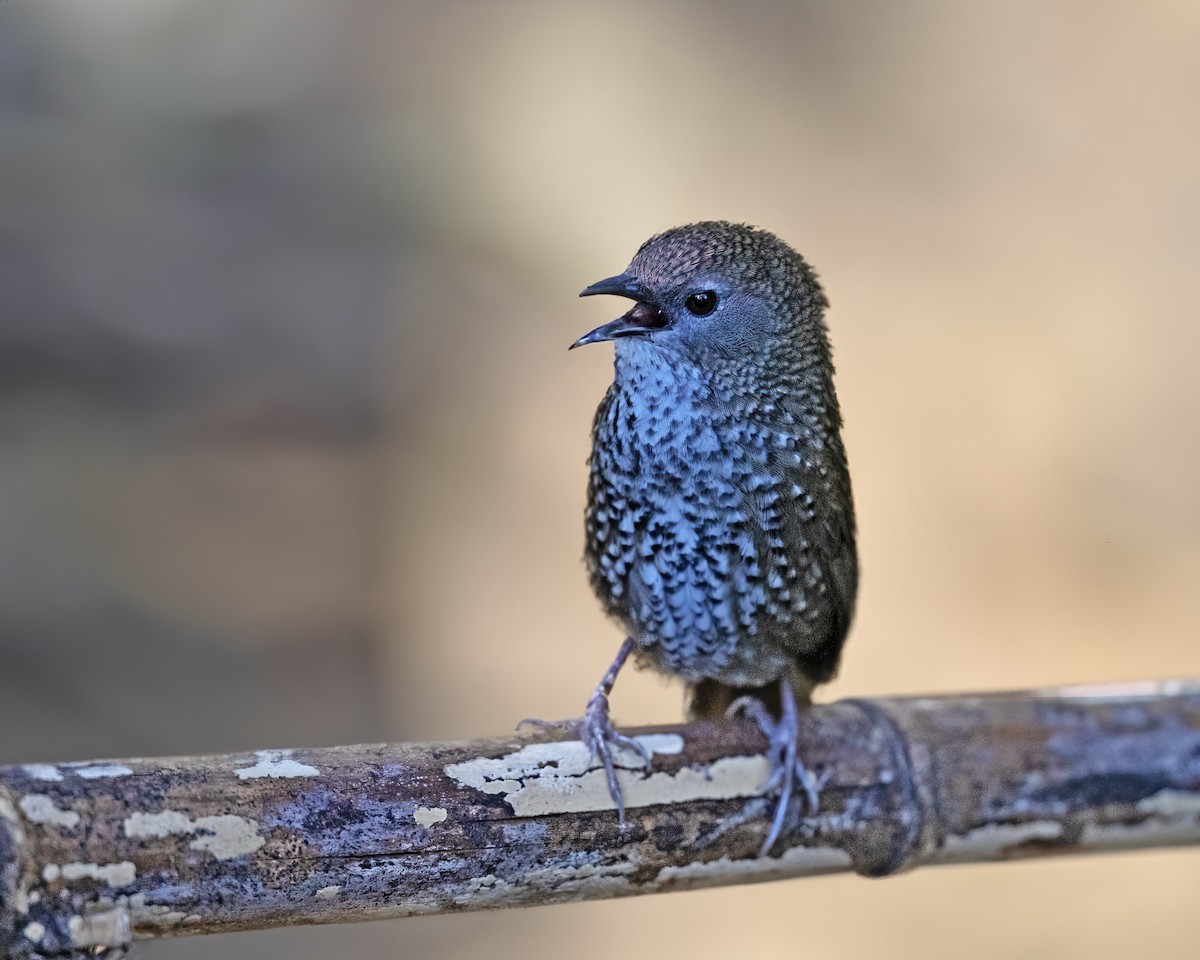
[719,527]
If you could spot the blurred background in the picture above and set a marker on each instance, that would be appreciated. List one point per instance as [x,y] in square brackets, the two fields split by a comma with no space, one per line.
[292,451]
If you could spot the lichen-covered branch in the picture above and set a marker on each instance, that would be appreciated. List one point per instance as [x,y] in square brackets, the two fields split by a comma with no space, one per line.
[97,854]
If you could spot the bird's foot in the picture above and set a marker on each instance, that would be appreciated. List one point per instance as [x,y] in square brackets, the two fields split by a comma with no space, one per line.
[536,723]
[598,734]
[603,740]
[787,769]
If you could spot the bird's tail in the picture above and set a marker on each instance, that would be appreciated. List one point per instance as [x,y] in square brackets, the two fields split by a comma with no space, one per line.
[710,700]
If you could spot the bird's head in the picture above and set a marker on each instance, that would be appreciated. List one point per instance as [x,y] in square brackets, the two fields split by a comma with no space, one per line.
[714,289]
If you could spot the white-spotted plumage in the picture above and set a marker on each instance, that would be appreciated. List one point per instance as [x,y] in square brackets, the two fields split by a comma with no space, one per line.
[720,523]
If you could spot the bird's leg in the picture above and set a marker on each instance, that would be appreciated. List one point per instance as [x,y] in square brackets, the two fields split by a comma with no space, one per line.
[786,768]
[600,736]
[597,732]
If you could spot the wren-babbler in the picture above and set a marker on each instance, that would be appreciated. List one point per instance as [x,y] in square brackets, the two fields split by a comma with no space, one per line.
[720,524]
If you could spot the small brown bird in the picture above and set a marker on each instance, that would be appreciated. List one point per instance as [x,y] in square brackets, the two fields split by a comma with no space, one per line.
[720,523]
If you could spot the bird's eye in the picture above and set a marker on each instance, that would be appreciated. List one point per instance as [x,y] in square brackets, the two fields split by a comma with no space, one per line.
[701,304]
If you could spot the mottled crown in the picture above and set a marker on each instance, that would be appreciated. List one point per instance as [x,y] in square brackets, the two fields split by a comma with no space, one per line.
[754,259]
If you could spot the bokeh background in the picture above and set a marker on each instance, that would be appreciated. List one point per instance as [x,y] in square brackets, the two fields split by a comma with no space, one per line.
[292,452]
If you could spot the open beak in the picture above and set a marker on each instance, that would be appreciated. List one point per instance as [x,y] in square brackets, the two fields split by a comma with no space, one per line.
[643,318]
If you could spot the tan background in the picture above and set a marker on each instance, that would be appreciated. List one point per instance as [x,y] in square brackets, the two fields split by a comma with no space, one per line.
[291,450]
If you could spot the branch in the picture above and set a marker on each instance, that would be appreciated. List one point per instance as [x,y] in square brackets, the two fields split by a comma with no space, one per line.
[97,854]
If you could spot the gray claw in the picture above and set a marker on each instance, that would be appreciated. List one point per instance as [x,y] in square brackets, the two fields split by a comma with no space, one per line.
[812,784]
[540,724]
[600,736]
[787,769]
[752,707]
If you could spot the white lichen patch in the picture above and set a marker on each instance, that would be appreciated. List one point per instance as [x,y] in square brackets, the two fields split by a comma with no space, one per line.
[39,808]
[157,825]
[795,861]
[577,881]
[1171,803]
[227,836]
[34,932]
[157,915]
[995,838]
[728,778]
[328,893]
[664,744]
[113,874]
[42,771]
[96,771]
[488,889]
[1152,833]
[1126,690]
[428,816]
[105,928]
[276,763]
[582,880]
[1171,821]
[567,757]
[224,836]
[546,778]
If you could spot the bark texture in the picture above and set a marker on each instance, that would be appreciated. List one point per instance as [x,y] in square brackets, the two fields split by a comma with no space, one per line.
[97,854]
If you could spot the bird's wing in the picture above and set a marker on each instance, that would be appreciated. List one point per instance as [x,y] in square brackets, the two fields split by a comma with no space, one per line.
[817,528]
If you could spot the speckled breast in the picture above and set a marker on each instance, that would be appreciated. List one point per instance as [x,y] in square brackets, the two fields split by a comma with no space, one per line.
[686,543]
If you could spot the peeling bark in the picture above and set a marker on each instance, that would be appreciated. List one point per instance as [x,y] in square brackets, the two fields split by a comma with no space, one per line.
[97,854]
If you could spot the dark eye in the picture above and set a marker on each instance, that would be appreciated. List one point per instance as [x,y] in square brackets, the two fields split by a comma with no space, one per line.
[701,304]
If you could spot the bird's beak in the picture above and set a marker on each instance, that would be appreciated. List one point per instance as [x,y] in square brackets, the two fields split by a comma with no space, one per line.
[643,318]
[622,285]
